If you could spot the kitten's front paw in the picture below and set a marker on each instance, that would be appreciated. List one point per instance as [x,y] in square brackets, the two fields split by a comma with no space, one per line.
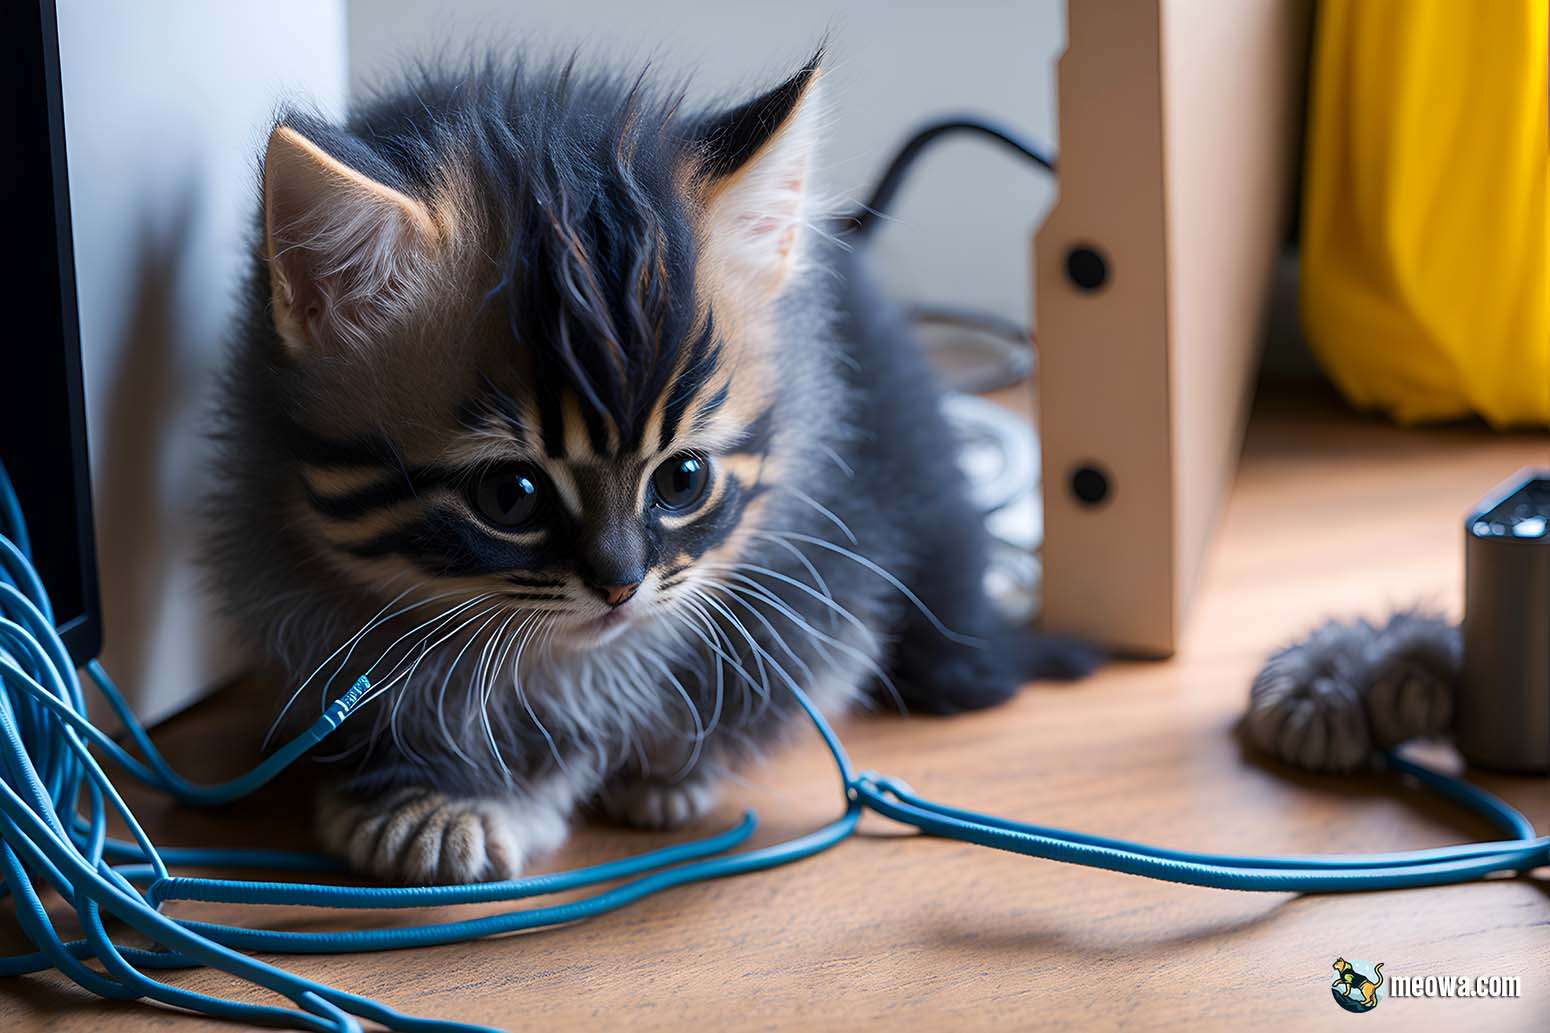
[423,837]
[648,804]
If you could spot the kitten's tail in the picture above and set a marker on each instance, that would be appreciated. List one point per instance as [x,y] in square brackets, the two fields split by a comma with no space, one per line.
[935,676]
[1033,656]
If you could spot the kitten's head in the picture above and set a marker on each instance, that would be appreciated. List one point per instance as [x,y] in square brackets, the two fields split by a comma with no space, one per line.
[527,336]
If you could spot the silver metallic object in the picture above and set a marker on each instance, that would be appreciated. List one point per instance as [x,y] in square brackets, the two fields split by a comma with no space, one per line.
[1503,706]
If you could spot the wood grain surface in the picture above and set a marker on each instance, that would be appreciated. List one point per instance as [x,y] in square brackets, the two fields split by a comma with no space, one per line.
[1332,514]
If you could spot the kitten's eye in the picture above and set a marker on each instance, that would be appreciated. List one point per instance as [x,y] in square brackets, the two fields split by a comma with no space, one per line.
[680,482]
[508,496]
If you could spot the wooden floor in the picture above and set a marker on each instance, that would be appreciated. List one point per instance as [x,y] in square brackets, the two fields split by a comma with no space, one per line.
[1332,514]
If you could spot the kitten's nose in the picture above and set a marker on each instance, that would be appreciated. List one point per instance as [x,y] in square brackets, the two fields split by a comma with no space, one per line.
[616,595]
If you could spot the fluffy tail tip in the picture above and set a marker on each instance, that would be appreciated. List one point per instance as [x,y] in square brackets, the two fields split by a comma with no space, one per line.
[1054,657]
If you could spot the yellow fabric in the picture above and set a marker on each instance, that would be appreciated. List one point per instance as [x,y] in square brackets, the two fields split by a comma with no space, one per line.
[1426,224]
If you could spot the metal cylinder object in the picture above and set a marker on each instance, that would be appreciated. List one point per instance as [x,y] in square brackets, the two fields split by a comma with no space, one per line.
[1503,711]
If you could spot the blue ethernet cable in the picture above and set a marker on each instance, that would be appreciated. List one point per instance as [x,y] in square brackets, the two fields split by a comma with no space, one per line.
[55,799]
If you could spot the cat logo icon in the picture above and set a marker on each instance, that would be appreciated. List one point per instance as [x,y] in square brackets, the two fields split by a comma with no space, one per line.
[1358,985]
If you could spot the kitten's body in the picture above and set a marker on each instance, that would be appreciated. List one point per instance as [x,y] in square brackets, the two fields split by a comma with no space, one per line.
[602,286]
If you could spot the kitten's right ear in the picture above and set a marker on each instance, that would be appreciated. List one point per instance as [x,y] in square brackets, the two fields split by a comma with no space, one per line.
[348,255]
[754,181]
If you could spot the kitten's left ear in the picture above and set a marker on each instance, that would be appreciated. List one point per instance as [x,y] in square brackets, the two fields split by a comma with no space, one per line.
[347,253]
[755,180]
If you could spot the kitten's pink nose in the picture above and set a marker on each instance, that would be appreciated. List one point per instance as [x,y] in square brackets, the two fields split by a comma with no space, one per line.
[616,595]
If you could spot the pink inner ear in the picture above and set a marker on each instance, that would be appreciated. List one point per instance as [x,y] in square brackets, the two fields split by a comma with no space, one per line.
[346,270]
[757,214]
[762,224]
[307,291]
[788,242]
[348,254]
[295,286]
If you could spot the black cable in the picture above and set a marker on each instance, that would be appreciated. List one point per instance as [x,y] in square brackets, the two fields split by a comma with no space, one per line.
[876,206]
[1008,343]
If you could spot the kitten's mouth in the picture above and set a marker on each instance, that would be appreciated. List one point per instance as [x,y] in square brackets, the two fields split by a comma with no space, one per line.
[595,631]
[615,618]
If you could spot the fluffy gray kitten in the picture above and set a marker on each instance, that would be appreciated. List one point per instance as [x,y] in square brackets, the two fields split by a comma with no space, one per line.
[555,414]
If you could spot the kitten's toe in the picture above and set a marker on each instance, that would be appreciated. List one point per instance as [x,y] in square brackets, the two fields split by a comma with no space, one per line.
[460,841]
[660,805]
[423,837]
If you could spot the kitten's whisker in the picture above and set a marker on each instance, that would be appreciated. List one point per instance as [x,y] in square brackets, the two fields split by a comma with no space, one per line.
[685,622]
[756,590]
[360,637]
[402,671]
[713,644]
[762,593]
[732,596]
[763,688]
[381,684]
[833,517]
[868,660]
[516,674]
[544,647]
[440,621]
[807,564]
[490,615]
[827,600]
[397,702]
[424,651]
[482,674]
[696,597]
[816,226]
[721,674]
[717,637]
[515,643]
[347,644]
[925,611]
[403,668]
[498,670]
[546,636]
[758,650]
[379,690]
[749,586]
[845,468]
[694,714]
[399,673]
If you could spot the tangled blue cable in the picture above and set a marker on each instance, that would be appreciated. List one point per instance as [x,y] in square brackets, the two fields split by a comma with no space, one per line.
[49,773]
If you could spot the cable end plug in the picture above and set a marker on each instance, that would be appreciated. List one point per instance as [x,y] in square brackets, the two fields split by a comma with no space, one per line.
[341,707]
